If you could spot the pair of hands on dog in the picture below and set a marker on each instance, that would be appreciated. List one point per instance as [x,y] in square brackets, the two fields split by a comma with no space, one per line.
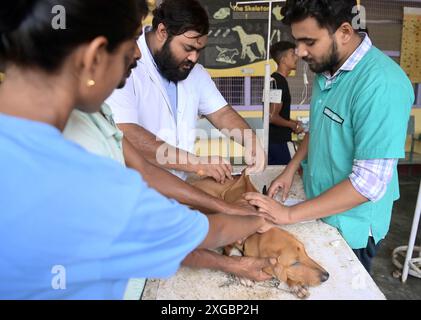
[270,209]
[242,207]
[214,167]
[220,169]
[252,268]
[256,204]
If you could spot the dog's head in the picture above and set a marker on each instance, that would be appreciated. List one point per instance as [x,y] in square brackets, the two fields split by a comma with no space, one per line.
[292,262]
[238,28]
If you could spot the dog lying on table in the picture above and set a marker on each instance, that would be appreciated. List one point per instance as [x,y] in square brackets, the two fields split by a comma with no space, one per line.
[293,265]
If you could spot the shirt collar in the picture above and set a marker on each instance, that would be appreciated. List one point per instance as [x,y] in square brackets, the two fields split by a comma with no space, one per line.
[355,58]
[148,51]
[107,125]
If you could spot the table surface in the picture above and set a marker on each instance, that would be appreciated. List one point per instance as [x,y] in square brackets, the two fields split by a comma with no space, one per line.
[348,278]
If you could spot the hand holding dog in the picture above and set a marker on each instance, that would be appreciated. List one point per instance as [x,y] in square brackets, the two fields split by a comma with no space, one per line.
[215,167]
[242,207]
[255,157]
[273,210]
[252,268]
[283,182]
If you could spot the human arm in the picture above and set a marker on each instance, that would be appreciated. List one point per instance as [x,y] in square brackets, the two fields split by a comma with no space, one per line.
[169,157]
[227,229]
[340,198]
[367,182]
[276,119]
[247,267]
[173,187]
[285,179]
[234,126]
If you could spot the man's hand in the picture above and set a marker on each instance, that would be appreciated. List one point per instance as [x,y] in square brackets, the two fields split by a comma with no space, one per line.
[255,156]
[274,211]
[251,268]
[298,128]
[283,182]
[215,167]
[266,227]
[242,207]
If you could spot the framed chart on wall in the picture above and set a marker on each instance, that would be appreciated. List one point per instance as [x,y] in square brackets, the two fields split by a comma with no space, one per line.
[238,37]
[411,44]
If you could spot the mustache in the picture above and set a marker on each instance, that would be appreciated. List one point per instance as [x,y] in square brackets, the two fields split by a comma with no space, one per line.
[188,64]
[169,67]
[133,65]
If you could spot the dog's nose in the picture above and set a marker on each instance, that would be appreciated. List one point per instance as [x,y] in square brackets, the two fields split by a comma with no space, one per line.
[324,277]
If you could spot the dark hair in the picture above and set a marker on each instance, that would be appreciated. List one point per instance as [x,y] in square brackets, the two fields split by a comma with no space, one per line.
[330,14]
[142,8]
[277,50]
[28,38]
[180,16]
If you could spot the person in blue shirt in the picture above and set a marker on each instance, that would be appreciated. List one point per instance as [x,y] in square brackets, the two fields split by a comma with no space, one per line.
[74,225]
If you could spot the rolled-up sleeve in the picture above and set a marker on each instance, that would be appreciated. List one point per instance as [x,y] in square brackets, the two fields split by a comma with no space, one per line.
[211,99]
[371,177]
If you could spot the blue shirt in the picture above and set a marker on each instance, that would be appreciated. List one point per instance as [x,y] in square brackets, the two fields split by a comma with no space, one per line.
[65,209]
[171,89]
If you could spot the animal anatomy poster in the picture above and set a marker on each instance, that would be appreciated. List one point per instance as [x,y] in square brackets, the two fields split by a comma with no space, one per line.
[411,44]
[238,37]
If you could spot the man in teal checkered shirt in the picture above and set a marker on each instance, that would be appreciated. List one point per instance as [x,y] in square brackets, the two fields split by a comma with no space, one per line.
[359,113]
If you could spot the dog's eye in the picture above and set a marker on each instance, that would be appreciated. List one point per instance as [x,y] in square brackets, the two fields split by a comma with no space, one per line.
[296,263]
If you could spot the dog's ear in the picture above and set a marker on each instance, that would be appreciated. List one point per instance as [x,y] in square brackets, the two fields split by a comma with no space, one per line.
[249,186]
[280,271]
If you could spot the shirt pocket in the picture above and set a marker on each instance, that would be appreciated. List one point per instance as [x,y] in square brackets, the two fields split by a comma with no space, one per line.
[340,142]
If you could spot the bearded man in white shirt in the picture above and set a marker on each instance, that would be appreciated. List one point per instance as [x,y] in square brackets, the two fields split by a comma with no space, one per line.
[158,108]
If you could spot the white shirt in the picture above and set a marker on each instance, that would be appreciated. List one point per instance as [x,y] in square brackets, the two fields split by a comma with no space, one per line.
[144,101]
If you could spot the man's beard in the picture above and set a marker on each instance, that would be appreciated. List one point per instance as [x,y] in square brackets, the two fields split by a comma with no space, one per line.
[329,63]
[168,66]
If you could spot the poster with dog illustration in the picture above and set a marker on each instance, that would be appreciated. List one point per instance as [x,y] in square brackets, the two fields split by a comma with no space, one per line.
[237,43]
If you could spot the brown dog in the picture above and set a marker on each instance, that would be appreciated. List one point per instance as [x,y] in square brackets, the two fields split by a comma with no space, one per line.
[293,265]
[231,191]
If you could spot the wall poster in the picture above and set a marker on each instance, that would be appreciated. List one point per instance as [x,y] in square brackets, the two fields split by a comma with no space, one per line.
[238,37]
[411,44]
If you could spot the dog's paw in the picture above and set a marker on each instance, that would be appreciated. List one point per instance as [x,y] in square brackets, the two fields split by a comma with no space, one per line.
[246,282]
[301,292]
